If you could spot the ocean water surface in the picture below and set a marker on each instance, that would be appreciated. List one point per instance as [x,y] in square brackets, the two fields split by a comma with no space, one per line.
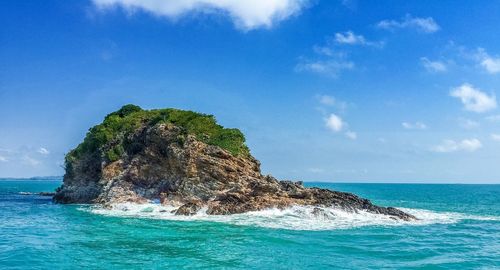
[459,228]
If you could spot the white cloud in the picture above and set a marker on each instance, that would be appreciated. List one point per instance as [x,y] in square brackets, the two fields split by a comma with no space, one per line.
[416,125]
[329,67]
[473,99]
[351,135]
[479,56]
[467,145]
[495,137]
[43,151]
[425,25]
[349,38]
[329,59]
[492,65]
[433,66]
[468,124]
[489,63]
[246,14]
[3,159]
[334,123]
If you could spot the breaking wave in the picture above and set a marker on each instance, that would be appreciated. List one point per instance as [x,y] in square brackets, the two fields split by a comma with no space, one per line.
[292,218]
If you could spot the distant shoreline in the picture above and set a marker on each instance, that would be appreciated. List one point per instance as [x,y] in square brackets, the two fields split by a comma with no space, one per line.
[35,178]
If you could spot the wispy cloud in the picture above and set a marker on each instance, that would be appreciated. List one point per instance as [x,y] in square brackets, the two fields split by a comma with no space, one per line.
[331,101]
[468,123]
[493,118]
[30,161]
[246,14]
[331,58]
[326,51]
[425,25]
[351,135]
[43,151]
[349,38]
[495,137]
[466,58]
[467,145]
[327,100]
[329,67]
[350,4]
[24,155]
[327,61]
[433,66]
[416,125]
[474,99]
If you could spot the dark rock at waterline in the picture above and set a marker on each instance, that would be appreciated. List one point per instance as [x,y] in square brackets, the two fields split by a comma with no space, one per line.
[165,161]
[47,194]
[189,209]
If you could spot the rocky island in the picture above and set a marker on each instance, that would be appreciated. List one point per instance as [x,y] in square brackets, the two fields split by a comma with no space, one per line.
[184,159]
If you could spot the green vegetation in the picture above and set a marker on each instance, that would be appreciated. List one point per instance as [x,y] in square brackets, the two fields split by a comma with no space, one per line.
[111,135]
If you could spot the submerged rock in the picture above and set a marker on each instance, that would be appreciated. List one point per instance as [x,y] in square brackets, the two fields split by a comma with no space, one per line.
[142,156]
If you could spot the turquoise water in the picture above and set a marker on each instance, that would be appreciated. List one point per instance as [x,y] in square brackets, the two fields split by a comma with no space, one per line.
[459,229]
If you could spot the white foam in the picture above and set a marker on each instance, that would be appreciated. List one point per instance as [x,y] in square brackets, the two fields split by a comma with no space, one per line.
[293,218]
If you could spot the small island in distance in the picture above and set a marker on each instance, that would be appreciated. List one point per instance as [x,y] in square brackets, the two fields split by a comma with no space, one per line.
[184,159]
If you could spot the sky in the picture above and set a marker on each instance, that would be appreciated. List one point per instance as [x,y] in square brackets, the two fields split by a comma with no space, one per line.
[340,91]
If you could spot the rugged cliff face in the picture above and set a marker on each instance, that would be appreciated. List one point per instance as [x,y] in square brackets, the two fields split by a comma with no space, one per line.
[183,159]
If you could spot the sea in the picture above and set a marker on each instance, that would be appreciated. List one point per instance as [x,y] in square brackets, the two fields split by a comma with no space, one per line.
[458,228]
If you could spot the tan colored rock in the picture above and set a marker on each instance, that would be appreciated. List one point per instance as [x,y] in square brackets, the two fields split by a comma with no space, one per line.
[165,164]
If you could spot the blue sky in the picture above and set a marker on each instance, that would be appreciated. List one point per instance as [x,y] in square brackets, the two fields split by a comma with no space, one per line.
[363,91]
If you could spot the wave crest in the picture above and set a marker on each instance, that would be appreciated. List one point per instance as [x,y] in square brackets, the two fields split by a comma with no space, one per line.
[292,218]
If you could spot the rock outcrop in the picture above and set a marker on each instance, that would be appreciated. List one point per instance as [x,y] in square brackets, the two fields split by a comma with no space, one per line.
[163,162]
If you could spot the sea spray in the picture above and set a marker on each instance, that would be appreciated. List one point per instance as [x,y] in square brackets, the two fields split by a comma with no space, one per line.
[291,218]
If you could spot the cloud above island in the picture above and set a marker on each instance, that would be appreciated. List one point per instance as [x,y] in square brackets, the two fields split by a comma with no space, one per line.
[246,14]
